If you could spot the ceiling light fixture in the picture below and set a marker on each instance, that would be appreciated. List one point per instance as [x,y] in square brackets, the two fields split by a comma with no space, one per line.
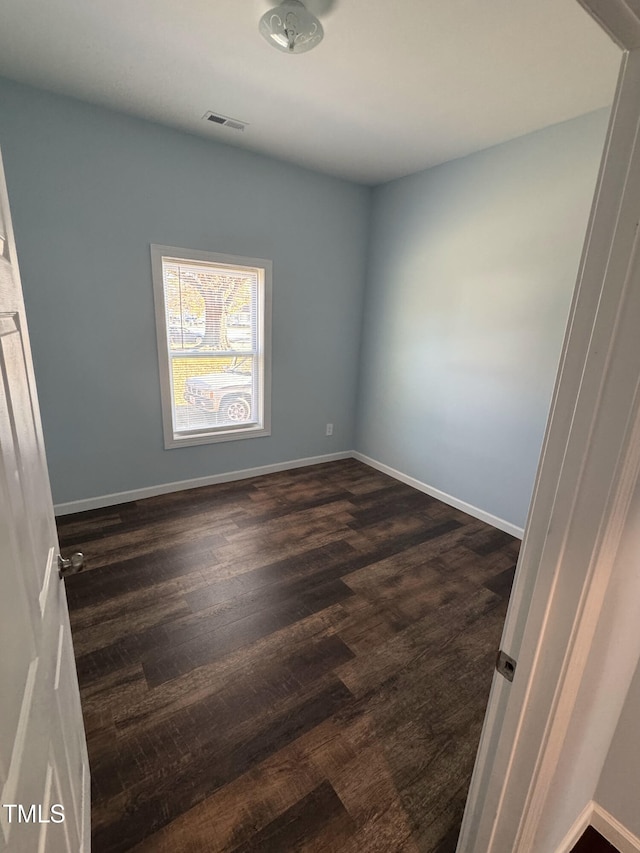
[291,28]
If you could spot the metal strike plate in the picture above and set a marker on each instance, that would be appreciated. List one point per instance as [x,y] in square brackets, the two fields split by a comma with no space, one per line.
[506,665]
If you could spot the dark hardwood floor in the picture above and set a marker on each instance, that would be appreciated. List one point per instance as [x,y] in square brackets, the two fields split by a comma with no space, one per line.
[296,662]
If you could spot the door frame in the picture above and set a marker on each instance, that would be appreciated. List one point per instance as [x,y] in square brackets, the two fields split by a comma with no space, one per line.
[588,469]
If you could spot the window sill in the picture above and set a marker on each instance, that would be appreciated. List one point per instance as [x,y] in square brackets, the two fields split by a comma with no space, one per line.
[256,431]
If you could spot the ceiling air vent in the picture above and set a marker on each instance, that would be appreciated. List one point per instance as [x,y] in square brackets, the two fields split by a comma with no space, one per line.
[225,121]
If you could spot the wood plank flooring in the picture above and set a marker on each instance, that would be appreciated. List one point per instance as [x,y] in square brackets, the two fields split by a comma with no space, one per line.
[296,662]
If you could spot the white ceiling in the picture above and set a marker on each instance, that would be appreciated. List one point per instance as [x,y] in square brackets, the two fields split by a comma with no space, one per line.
[394,87]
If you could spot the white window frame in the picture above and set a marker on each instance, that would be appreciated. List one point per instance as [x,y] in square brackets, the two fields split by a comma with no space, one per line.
[172,438]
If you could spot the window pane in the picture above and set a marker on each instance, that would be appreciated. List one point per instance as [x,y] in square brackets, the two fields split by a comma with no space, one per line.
[214,345]
[213,392]
[212,309]
[209,308]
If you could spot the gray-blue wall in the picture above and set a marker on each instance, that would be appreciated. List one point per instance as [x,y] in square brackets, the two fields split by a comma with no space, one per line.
[469,272]
[470,275]
[89,191]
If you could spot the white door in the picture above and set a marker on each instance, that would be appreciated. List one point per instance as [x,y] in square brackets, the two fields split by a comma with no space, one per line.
[44,772]
[589,465]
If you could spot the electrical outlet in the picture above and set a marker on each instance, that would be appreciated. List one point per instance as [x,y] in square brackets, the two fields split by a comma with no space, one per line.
[329,429]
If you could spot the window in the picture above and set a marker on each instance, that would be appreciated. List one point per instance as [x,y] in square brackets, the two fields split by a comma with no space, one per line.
[213,316]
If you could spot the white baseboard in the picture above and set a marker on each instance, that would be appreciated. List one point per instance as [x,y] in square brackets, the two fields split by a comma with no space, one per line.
[611,828]
[181,485]
[243,474]
[606,824]
[575,833]
[493,520]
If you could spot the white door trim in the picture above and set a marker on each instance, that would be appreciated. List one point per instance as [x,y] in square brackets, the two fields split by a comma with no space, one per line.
[611,828]
[606,824]
[589,465]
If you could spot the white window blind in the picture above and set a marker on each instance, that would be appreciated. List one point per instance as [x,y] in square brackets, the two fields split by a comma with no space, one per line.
[212,340]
